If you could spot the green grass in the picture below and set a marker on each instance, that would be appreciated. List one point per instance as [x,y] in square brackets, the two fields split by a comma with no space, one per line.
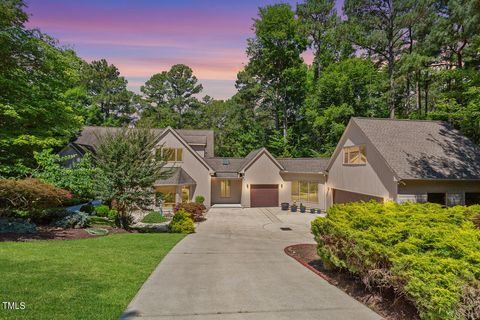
[100,221]
[154,217]
[92,278]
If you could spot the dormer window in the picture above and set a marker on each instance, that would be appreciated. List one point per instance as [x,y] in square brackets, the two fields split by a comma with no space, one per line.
[355,155]
[172,154]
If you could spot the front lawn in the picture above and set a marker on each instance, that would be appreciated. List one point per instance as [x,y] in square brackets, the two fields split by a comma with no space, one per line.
[88,279]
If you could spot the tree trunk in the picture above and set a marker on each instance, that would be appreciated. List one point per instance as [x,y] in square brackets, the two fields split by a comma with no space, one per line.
[426,97]
[391,98]
[285,124]
[419,96]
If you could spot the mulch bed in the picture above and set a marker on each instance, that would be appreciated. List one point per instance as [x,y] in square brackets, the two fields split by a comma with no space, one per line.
[56,234]
[382,302]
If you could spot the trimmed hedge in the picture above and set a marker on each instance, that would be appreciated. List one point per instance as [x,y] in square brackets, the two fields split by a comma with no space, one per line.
[182,222]
[428,253]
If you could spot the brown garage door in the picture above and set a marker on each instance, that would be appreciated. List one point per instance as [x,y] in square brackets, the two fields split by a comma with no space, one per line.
[264,195]
[340,196]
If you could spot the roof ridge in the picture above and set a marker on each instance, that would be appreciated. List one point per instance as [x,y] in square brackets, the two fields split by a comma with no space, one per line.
[404,120]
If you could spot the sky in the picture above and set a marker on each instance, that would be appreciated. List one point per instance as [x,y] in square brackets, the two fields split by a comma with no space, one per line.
[144,37]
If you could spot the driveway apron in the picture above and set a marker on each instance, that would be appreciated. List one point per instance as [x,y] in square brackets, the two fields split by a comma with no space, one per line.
[234,267]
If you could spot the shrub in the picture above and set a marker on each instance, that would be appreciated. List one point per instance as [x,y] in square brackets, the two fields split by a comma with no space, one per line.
[11,225]
[49,216]
[29,195]
[199,199]
[75,219]
[88,208]
[154,217]
[196,210]
[112,214]
[182,222]
[102,211]
[123,220]
[423,251]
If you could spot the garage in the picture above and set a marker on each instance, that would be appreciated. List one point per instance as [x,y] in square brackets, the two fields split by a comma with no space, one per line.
[264,195]
[341,196]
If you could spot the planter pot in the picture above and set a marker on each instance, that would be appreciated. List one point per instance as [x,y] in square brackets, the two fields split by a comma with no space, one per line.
[284,206]
[302,210]
[293,209]
[312,210]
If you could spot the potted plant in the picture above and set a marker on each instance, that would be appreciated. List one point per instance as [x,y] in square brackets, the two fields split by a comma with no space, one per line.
[284,206]
[293,207]
[312,210]
[302,208]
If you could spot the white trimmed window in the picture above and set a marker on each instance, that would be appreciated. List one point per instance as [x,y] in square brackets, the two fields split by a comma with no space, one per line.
[355,155]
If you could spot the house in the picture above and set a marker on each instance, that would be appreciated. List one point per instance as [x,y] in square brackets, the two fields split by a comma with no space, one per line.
[403,160]
[379,159]
[258,180]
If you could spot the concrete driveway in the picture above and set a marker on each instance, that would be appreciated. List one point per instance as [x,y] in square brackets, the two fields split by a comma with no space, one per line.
[234,267]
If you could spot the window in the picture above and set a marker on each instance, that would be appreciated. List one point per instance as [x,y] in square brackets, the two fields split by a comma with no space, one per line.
[305,191]
[355,155]
[172,154]
[165,196]
[185,194]
[225,186]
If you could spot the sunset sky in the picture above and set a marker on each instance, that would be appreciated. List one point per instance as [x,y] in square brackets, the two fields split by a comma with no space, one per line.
[144,37]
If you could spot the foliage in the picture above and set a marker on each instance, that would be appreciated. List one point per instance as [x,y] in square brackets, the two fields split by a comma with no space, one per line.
[48,216]
[276,65]
[101,221]
[154,217]
[123,220]
[171,93]
[182,222]
[84,269]
[128,168]
[422,251]
[109,101]
[195,209]
[200,199]
[112,214]
[78,179]
[88,208]
[36,76]
[75,219]
[29,195]
[11,225]
[102,211]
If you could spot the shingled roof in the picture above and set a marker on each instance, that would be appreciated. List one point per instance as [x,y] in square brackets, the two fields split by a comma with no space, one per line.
[304,165]
[422,149]
[230,167]
[178,176]
[90,135]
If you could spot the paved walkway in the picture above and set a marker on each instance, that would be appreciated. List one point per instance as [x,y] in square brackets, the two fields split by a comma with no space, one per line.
[234,267]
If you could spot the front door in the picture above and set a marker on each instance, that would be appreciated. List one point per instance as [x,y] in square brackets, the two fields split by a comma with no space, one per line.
[264,195]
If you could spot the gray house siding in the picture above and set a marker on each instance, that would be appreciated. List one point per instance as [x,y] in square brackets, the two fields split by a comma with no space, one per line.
[373,179]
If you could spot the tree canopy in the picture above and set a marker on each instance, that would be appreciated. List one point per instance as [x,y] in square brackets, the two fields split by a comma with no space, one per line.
[381,58]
